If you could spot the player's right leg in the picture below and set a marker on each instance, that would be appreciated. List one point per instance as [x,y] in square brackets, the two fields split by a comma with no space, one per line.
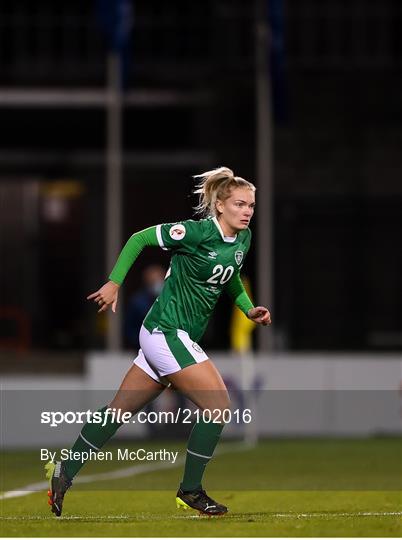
[59,483]
[138,388]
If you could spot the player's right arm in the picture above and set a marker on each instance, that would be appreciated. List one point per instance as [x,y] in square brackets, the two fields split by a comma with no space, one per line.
[108,294]
[183,236]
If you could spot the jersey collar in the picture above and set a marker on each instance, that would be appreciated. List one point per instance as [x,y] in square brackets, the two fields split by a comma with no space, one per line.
[230,239]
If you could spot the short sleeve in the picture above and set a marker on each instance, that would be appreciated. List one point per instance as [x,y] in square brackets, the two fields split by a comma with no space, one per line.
[181,236]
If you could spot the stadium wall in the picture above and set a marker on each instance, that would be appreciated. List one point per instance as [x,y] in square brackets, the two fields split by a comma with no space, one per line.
[354,395]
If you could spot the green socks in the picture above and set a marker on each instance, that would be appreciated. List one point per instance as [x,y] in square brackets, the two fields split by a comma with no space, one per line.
[201,445]
[92,437]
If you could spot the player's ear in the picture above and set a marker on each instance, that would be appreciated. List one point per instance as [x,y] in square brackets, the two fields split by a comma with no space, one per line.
[219,206]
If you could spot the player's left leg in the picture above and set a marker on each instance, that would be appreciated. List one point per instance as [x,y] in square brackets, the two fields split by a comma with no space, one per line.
[180,360]
[204,386]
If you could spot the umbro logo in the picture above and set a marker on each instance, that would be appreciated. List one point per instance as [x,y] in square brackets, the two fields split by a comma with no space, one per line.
[212,255]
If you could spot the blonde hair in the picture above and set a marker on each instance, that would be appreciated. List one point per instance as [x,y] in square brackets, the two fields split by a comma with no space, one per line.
[216,185]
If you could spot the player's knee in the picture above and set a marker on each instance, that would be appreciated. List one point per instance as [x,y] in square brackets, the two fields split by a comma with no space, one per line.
[219,412]
[120,405]
[226,413]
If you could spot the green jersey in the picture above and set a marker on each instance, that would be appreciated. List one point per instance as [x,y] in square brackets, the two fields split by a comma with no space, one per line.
[203,264]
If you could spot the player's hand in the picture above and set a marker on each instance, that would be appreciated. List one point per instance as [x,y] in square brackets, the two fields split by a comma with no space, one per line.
[106,296]
[260,315]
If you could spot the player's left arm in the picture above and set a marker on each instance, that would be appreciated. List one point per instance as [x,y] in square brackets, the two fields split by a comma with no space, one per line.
[260,315]
[237,292]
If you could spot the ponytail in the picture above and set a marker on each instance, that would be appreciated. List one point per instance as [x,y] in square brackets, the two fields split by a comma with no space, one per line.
[214,185]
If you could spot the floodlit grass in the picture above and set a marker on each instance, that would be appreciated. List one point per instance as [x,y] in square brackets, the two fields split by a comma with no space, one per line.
[281,488]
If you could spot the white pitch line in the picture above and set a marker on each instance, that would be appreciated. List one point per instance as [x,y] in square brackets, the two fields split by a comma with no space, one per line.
[116,474]
[334,514]
[287,515]
[64,518]
[294,515]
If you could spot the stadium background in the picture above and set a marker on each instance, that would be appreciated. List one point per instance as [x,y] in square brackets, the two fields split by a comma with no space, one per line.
[300,96]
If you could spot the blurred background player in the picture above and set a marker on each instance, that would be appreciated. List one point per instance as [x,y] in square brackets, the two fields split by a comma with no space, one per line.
[141,301]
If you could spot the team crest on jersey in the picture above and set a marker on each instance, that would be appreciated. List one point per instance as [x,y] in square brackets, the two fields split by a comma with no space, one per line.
[177,232]
[238,257]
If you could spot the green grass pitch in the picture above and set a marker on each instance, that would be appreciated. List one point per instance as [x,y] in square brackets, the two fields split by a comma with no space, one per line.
[299,487]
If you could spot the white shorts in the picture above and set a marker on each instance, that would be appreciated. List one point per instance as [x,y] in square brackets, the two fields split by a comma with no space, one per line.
[164,353]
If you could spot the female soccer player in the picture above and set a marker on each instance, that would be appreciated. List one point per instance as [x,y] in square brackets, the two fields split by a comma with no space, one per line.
[207,256]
